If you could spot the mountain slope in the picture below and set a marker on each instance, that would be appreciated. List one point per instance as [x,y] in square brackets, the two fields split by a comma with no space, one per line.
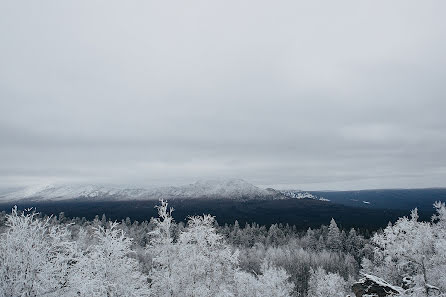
[227,189]
[297,194]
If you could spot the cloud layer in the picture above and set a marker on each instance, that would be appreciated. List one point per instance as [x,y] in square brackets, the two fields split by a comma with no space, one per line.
[307,94]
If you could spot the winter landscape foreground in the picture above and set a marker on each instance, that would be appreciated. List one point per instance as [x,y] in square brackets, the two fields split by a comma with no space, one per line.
[57,256]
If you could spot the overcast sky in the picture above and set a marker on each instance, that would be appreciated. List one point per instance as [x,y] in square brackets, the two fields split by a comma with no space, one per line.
[304,94]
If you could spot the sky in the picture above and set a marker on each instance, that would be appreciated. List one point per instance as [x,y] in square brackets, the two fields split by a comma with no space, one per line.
[314,95]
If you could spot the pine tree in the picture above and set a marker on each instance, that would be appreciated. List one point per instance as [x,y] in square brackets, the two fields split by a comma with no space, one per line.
[334,236]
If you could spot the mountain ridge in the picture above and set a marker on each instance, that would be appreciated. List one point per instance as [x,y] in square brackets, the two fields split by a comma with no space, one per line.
[227,188]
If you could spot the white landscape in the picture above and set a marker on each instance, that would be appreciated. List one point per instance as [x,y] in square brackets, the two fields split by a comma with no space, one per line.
[222,148]
[56,256]
[212,189]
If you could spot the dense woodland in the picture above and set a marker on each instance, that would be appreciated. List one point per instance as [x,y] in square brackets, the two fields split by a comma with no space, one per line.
[60,256]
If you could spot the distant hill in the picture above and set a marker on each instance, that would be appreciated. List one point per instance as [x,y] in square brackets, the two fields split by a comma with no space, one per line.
[230,200]
[405,199]
[211,189]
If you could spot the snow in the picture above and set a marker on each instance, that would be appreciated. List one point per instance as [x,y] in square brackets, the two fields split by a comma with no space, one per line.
[297,194]
[60,192]
[225,188]
[235,188]
[366,202]
[379,281]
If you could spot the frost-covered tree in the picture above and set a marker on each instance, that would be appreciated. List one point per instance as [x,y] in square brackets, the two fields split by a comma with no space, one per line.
[411,254]
[439,260]
[201,263]
[36,256]
[206,263]
[353,244]
[407,246]
[323,284]
[274,282]
[106,268]
[164,253]
[334,236]
[246,284]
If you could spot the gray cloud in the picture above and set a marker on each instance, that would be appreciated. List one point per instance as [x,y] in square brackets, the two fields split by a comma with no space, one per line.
[341,95]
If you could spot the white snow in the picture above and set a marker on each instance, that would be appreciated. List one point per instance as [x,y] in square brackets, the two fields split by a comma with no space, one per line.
[225,188]
[297,194]
[380,282]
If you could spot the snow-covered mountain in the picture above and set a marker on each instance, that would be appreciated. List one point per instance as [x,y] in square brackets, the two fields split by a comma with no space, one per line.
[66,192]
[296,194]
[227,189]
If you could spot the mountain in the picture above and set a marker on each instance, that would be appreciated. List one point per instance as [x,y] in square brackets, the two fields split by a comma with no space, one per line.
[215,189]
[298,194]
[229,200]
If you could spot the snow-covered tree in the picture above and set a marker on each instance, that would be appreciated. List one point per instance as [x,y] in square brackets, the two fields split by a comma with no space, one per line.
[334,236]
[409,244]
[323,284]
[439,260]
[106,269]
[272,281]
[36,256]
[206,263]
[246,284]
[164,253]
[353,243]
[201,263]
[411,254]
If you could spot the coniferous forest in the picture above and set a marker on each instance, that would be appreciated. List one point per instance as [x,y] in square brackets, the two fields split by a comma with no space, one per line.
[59,256]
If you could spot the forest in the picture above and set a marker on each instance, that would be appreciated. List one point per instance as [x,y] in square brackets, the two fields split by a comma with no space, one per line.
[44,255]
